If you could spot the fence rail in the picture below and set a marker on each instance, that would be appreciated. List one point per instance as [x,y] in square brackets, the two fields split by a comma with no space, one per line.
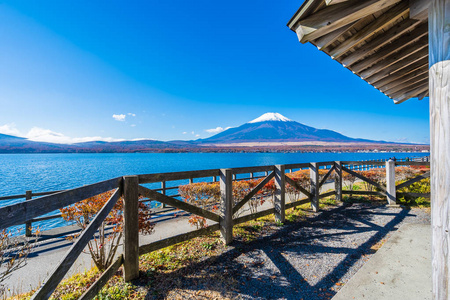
[129,187]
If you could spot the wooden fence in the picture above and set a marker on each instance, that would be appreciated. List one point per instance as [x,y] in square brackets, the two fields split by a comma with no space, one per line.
[130,187]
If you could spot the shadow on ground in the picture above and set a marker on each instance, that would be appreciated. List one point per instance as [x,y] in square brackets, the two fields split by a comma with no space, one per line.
[305,260]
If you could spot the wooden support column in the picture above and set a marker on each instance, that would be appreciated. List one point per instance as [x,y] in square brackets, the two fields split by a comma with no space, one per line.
[280,193]
[338,180]
[226,205]
[130,228]
[390,183]
[314,179]
[439,74]
[28,233]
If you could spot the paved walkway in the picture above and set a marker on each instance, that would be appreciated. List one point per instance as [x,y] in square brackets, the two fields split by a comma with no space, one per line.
[401,269]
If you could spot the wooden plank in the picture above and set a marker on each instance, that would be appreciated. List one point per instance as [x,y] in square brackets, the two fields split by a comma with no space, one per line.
[336,16]
[297,186]
[379,71]
[419,9]
[177,203]
[325,163]
[97,286]
[157,177]
[438,20]
[46,193]
[405,83]
[324,179]
[416,195]
[254,216]
[130,228]
[365,179]
[280,193]
[412,93]
[384,39]
[226,205]
[253,192]
[392,63]
[403,46]
[28,197]
[413,180]
[19,213]
[399,78]
[372,28]
[55,216]
[315,189]
[176,239]
[327,194]
[252,169]
[362,193]
[297,166]
[11,197]
[396,73]
[414,76]
[57,275]
[358,163]
[326,40]
[297,203]
[406,89]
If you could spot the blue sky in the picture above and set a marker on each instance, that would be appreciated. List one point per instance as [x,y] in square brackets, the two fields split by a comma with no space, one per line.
[80,70]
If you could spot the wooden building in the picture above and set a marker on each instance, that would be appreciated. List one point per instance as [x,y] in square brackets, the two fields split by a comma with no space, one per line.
[402,48]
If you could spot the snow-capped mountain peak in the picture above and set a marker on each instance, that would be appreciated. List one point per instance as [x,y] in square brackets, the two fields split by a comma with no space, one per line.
[270,117]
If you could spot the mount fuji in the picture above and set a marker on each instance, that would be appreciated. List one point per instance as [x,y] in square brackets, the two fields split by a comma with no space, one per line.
[274,127]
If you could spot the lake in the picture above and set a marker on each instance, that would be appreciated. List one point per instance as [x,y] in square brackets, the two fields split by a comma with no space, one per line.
[47,172]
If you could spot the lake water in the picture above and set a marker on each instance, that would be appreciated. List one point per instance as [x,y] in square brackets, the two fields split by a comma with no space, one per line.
[47,172]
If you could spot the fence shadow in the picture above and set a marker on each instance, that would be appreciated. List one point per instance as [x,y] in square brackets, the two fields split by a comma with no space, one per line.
[302,260]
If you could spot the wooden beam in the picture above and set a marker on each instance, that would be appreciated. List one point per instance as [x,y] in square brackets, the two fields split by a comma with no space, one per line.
[398,68]
[372,28]
[400,77]
[419,9]
[423,95]
[439,24]
[336,16]
[130,228]
[226,205]
[407,89]
[382,40]
[314,185]
[403,46]
[413,180]
[411,94]
[328,39]
[405,81]
[394,63]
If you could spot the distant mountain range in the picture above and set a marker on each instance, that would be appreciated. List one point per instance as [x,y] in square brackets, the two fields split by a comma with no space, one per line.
[270,128]
[273,127]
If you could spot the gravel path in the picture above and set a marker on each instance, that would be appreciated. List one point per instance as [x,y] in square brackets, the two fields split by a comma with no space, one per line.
[310,260]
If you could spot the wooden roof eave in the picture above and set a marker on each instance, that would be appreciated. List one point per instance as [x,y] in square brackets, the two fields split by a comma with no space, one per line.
[384,42]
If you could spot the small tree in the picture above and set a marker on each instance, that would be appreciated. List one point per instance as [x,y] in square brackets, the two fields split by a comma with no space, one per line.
[103,246]
[13,255]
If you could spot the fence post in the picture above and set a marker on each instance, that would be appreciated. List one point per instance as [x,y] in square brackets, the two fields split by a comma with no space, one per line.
[338,180]
[163,189]
[390,182]
[280,193]
[28,233]
[226,205]
[314,178]
[130,228]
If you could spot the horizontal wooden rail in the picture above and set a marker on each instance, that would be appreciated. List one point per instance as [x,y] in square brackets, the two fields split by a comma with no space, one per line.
[366,193]
[176,239]
[297,166]
[254,216]
[412,163]
[158,177]
[359,163]
[19,213]
[12,197]
[327,194]
[252,169]
[415,195]
[297,203]
[56,216]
